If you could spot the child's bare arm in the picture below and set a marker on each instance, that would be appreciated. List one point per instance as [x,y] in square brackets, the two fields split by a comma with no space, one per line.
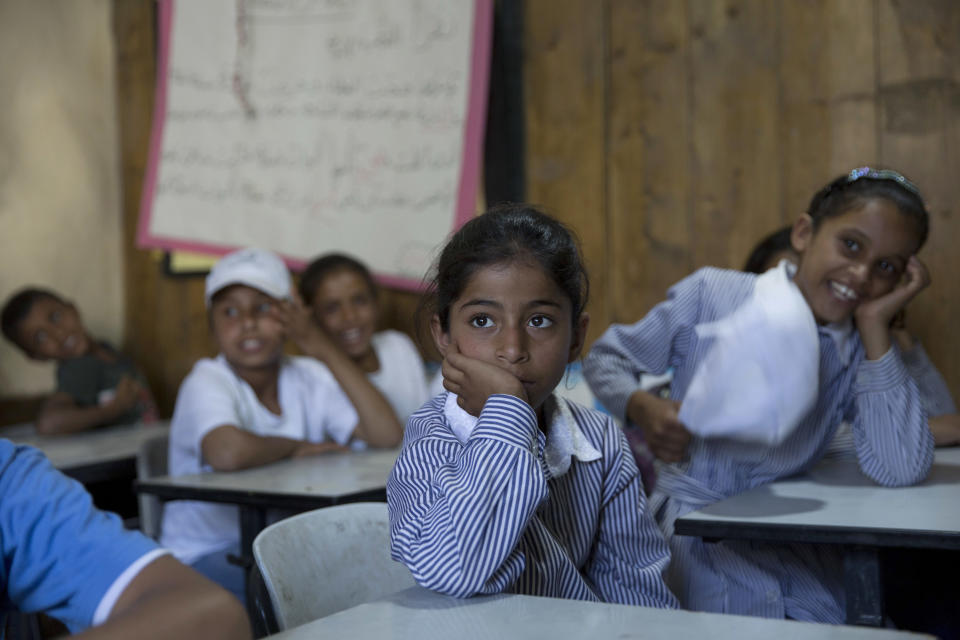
[168,600]
[228,448]
[945,429]
[377,424]
[60,413]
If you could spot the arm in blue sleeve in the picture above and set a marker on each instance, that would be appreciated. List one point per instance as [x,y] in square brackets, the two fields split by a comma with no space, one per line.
[457,513]
[624,352]
[894,444]
[631,554]
[61,554]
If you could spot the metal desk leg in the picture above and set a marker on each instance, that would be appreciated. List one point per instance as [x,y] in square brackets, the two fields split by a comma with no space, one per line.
[252,521]
[863,586]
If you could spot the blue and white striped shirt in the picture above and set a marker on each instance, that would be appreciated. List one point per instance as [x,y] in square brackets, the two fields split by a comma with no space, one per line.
[878,398]
[934,392]
[487,516]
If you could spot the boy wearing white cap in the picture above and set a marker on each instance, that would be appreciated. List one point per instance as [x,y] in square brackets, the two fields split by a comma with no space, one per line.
[252,405]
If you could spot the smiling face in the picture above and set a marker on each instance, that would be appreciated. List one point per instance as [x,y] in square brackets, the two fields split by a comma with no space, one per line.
[514,316]
[248,335]
[52,330]
[853,257]
[346,309]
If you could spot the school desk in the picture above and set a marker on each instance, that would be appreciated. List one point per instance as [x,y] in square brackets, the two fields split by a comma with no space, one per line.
[105,453]
[836,504]
[418,614]
[297,484]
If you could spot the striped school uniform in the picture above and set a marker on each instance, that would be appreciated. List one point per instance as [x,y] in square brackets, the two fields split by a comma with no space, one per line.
[878,398]
[491,505]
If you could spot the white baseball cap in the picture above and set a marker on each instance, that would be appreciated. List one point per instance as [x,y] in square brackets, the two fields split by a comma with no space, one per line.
[258,268]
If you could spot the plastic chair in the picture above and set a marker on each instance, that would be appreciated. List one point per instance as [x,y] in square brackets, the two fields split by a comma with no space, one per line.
[323,561]
[151,462]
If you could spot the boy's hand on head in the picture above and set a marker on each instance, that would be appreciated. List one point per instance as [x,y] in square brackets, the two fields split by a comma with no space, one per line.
[658,419]
[873,317]
[474,381]
[318,448]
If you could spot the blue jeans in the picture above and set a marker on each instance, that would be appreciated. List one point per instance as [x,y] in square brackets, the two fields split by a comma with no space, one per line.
[216,567]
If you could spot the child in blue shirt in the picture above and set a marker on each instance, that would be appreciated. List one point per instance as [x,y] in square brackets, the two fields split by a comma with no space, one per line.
[501,485]
[63,557]
[857,267]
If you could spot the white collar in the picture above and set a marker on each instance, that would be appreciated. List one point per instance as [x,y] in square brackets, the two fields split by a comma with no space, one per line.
[840,332]
[564,437]
[842,335]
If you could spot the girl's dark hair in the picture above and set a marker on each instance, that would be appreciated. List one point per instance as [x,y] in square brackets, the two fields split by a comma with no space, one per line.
[505,233]
[775,243]
[323,266]
[854,189]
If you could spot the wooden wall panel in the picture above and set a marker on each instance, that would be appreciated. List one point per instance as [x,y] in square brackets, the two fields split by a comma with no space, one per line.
[735,169]
[649,182]
[919,103]
[165,319]
[828,96]
[565,87]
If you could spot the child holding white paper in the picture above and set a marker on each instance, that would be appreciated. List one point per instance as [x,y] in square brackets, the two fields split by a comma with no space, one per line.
[941,410]
[856,247]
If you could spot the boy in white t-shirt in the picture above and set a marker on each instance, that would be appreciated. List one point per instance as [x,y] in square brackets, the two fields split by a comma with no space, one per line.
[252,405]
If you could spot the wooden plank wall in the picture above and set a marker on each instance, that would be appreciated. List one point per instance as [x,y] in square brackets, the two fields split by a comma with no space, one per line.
[673,135]
[670,134]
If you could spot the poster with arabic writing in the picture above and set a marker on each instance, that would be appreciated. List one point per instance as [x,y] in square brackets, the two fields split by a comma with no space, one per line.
[308,126]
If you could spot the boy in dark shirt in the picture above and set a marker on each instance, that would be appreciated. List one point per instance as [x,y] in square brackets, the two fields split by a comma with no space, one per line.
[96,385]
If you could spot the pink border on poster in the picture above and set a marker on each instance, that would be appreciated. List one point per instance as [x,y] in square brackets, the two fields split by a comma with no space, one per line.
[469,166]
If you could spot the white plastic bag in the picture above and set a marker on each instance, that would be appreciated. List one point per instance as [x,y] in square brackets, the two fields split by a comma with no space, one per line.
[761,374]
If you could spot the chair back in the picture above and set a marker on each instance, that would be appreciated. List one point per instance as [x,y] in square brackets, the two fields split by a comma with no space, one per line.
[151,462]
[323,561]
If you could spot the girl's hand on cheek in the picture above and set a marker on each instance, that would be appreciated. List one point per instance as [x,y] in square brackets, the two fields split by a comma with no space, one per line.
[474,381]
[873,317]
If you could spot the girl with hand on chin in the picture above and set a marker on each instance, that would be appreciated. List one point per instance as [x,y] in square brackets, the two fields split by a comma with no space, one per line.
[501,485]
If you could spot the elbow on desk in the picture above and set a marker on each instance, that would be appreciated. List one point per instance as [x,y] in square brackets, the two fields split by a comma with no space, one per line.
[226,459]
[450,581]
[48,425]
[903,477]
[455,587]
